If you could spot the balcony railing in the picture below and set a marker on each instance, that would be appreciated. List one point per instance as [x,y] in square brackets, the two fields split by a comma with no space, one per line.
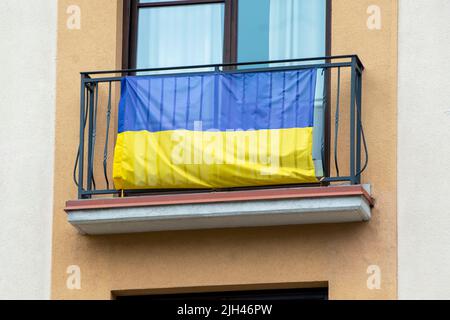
[340,101]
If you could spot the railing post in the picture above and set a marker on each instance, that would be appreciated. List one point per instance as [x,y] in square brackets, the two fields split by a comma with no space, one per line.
[352,123]
[326,141]
[81,145]
[358,125]
[90,137]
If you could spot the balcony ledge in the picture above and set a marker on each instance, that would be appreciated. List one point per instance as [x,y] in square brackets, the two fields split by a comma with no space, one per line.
[265,207]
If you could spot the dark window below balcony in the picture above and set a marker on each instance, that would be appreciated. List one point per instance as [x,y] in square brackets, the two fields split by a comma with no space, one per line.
[260,295]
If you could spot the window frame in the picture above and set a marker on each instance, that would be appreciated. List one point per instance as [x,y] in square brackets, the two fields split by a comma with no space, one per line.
[293,294]
[129,46]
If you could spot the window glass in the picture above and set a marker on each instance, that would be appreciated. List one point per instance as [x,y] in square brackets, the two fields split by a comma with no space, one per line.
[281,29]
[287,29]
[180,35]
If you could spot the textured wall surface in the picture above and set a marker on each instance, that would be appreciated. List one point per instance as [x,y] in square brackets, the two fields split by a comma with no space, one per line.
[424,150]
[27,107]
[337,255]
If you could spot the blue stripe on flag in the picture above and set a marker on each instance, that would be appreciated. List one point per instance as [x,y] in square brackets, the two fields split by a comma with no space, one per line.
[221,101]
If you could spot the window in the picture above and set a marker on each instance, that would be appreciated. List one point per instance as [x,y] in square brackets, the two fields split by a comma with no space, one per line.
[261,295]
[287,29]
[178,32]
[168,33]
[180,35]
[281,29]
[160,33]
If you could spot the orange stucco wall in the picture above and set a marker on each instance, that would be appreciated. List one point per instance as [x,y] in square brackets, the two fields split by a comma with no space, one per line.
[337,255]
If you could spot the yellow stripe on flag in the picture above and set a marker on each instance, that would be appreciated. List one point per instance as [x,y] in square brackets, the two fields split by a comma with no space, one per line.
[213,159]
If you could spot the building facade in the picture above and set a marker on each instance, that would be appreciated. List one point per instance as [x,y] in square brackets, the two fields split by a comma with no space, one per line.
[385,231]
[422,204]
[28,40]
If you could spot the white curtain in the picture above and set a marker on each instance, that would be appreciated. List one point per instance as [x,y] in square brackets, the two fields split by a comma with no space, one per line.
[180,35]
[296,29]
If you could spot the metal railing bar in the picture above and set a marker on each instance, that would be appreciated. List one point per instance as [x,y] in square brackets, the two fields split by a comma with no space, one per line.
[200,190]
[105,152]
[177,191]
[337,179]
[83,105]
[100,192]
[108,79]
[91,125]
[269,69]
[78,152]
[358,122]
[352,124]
[215,65]
[366,152]
[287,68]
[336,122]
[361,131]
[94,133]
[325,104]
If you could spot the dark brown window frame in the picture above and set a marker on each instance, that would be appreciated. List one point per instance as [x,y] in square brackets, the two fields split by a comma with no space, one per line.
[129,44]
[288,294]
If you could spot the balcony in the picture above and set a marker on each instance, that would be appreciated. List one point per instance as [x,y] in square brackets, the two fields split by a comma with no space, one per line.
[332,193]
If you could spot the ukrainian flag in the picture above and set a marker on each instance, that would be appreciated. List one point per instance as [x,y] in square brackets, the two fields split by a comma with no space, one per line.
[215,130]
